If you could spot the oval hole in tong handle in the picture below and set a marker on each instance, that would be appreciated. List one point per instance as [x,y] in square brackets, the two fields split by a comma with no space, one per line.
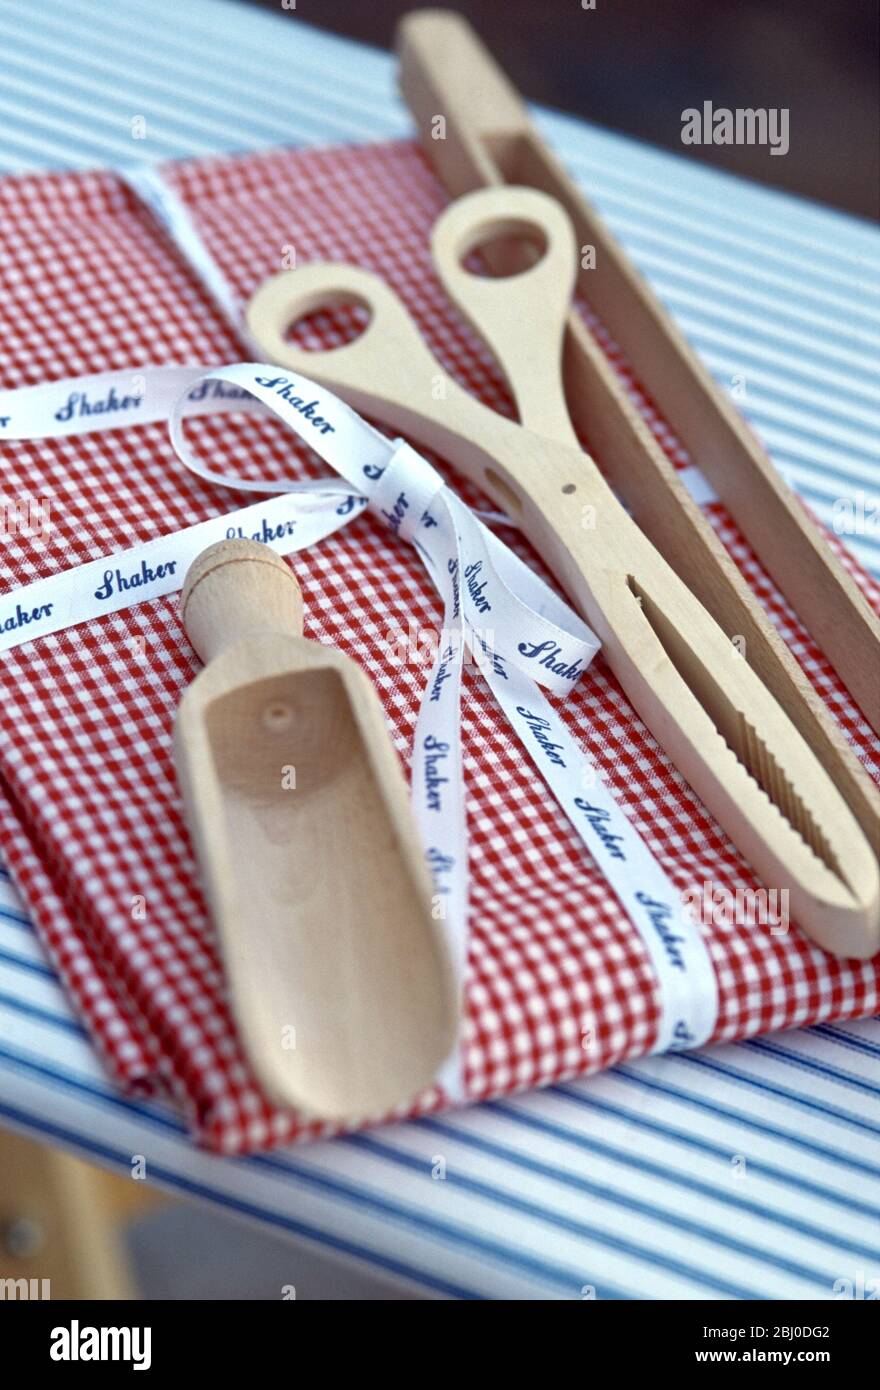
[521,318]
[386,356]
[388,372]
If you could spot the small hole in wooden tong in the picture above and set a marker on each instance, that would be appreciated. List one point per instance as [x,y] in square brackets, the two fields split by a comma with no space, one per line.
[569,488]
[331,324]
[503,248]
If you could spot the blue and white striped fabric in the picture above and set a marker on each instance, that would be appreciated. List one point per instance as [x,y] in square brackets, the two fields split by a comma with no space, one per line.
[745,1172]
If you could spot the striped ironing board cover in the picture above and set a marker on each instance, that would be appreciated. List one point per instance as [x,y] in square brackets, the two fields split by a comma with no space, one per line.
[751,1171]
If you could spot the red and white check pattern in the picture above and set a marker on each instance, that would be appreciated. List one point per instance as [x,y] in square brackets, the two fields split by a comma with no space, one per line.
[558,981]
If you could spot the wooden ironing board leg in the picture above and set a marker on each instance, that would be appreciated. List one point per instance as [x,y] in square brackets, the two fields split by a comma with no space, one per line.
[61,1224]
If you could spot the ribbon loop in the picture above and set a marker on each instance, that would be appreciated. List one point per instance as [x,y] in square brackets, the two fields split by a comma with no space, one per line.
[404,492]
[521,634]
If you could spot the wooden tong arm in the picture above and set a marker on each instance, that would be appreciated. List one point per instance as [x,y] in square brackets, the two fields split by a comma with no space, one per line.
[699,707]
[488,138]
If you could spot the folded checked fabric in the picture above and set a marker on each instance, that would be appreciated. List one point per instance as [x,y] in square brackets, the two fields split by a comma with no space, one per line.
[558,982]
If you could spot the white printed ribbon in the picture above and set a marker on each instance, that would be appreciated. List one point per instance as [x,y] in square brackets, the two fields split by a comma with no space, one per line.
[172,213]
[522,636]
[680,958]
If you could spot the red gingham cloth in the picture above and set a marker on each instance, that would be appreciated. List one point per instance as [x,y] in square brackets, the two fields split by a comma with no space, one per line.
[558,982]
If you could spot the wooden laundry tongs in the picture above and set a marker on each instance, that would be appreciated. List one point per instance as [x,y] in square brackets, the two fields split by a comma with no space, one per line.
[487,139]
[704,703]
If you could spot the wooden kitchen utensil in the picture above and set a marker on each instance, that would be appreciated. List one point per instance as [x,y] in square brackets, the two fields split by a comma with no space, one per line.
[340,978]
[704,703]
[488,139]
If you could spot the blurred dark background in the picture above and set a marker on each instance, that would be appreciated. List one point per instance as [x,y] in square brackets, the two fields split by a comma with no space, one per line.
[635,65]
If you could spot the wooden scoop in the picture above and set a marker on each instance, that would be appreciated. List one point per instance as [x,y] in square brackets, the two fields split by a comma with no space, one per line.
[340,977]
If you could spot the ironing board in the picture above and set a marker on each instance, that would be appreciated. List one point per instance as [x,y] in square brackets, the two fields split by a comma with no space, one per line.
[749,1171]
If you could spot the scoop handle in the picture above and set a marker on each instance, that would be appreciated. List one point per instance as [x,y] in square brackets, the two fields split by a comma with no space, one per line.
[237,589]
